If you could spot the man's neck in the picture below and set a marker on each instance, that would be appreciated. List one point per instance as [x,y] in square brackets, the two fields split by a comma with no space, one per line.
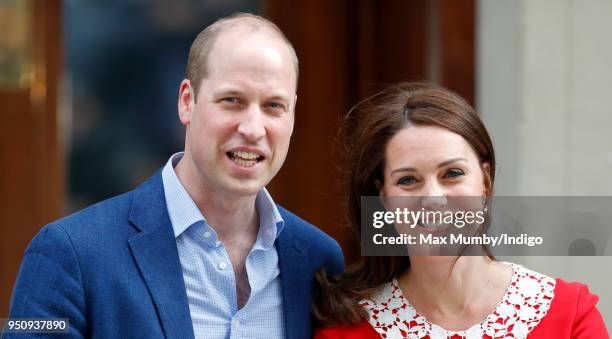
[232,216]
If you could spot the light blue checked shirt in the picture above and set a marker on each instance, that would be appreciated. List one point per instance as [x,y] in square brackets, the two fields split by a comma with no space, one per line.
[208,273]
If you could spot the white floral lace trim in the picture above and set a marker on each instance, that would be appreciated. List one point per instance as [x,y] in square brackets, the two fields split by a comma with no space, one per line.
[525,303]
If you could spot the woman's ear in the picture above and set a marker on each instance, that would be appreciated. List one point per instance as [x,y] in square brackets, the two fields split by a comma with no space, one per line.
[488,184]
[382,197]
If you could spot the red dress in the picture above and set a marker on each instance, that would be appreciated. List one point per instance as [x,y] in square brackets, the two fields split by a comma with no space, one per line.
[534,306]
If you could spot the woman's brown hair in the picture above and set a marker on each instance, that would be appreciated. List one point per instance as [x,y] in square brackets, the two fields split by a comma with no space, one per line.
[365,132]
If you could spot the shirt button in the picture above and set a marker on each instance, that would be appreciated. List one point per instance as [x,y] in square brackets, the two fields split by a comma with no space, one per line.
[222,265]
[206,234]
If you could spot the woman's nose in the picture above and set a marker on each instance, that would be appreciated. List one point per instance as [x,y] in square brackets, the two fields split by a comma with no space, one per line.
[433,197]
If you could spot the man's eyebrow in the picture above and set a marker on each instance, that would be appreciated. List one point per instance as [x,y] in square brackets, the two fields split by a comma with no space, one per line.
[280,97]
[228,91]
[236,92]
[442,164]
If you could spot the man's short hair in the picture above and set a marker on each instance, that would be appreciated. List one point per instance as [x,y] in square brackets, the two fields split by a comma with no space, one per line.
[197,64]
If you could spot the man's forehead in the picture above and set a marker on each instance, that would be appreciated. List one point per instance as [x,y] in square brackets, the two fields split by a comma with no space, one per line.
[234,38]
[243,31]
[251,55]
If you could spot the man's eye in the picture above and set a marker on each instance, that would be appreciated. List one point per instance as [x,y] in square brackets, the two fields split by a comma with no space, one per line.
[230,100]
[408,180]
[277,106]
[454,173]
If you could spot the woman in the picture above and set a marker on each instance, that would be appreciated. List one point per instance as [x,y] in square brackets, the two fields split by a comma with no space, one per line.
[421,140]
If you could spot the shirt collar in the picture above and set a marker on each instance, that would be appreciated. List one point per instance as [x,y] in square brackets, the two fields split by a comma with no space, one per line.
[270,221]
[184,212]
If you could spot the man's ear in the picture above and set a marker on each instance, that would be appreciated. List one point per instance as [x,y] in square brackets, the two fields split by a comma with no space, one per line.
[186,101]
[292,110]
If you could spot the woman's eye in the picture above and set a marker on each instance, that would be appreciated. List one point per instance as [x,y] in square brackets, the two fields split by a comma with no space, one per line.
[409,180]
[454,173]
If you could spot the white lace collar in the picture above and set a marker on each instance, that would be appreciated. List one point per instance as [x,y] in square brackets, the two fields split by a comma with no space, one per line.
[525,303]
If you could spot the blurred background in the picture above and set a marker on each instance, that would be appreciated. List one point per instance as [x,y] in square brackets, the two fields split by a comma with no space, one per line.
[88,93]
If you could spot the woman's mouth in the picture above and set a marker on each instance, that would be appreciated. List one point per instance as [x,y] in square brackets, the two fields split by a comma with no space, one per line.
[433,227]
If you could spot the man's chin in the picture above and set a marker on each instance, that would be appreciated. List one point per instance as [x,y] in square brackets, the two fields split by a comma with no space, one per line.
[244,187]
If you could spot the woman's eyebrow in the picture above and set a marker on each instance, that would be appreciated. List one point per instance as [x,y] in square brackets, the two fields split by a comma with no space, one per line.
[442,164]
[404,169]
[450,161]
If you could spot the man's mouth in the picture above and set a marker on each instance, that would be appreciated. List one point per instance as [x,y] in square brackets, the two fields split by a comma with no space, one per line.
[244,158]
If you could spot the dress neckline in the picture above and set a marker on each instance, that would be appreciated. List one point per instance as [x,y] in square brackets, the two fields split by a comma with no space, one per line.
[513,278]
[524,304]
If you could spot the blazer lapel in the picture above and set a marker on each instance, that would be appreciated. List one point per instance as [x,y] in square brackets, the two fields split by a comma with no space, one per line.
[155,252]
[296,284]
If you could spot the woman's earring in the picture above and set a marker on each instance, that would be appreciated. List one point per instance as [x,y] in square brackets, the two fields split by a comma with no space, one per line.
[485,208]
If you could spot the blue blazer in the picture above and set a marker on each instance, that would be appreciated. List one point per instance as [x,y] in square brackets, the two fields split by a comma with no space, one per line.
[113,269]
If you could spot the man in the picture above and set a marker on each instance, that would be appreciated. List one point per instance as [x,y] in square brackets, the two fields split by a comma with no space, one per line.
[200,248]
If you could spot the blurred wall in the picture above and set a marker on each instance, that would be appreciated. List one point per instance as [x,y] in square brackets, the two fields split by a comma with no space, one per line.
[544,80]
[31,154]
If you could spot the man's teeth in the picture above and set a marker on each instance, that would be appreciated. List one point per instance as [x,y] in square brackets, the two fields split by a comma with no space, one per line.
[245,163]
[245,155]
[246,159]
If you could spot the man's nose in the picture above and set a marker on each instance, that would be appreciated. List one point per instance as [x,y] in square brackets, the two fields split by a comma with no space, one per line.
[251,124]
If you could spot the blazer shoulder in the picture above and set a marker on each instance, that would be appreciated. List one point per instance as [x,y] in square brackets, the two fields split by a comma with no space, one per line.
[104,213]
[305,231]
[115,211]
[317,242]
